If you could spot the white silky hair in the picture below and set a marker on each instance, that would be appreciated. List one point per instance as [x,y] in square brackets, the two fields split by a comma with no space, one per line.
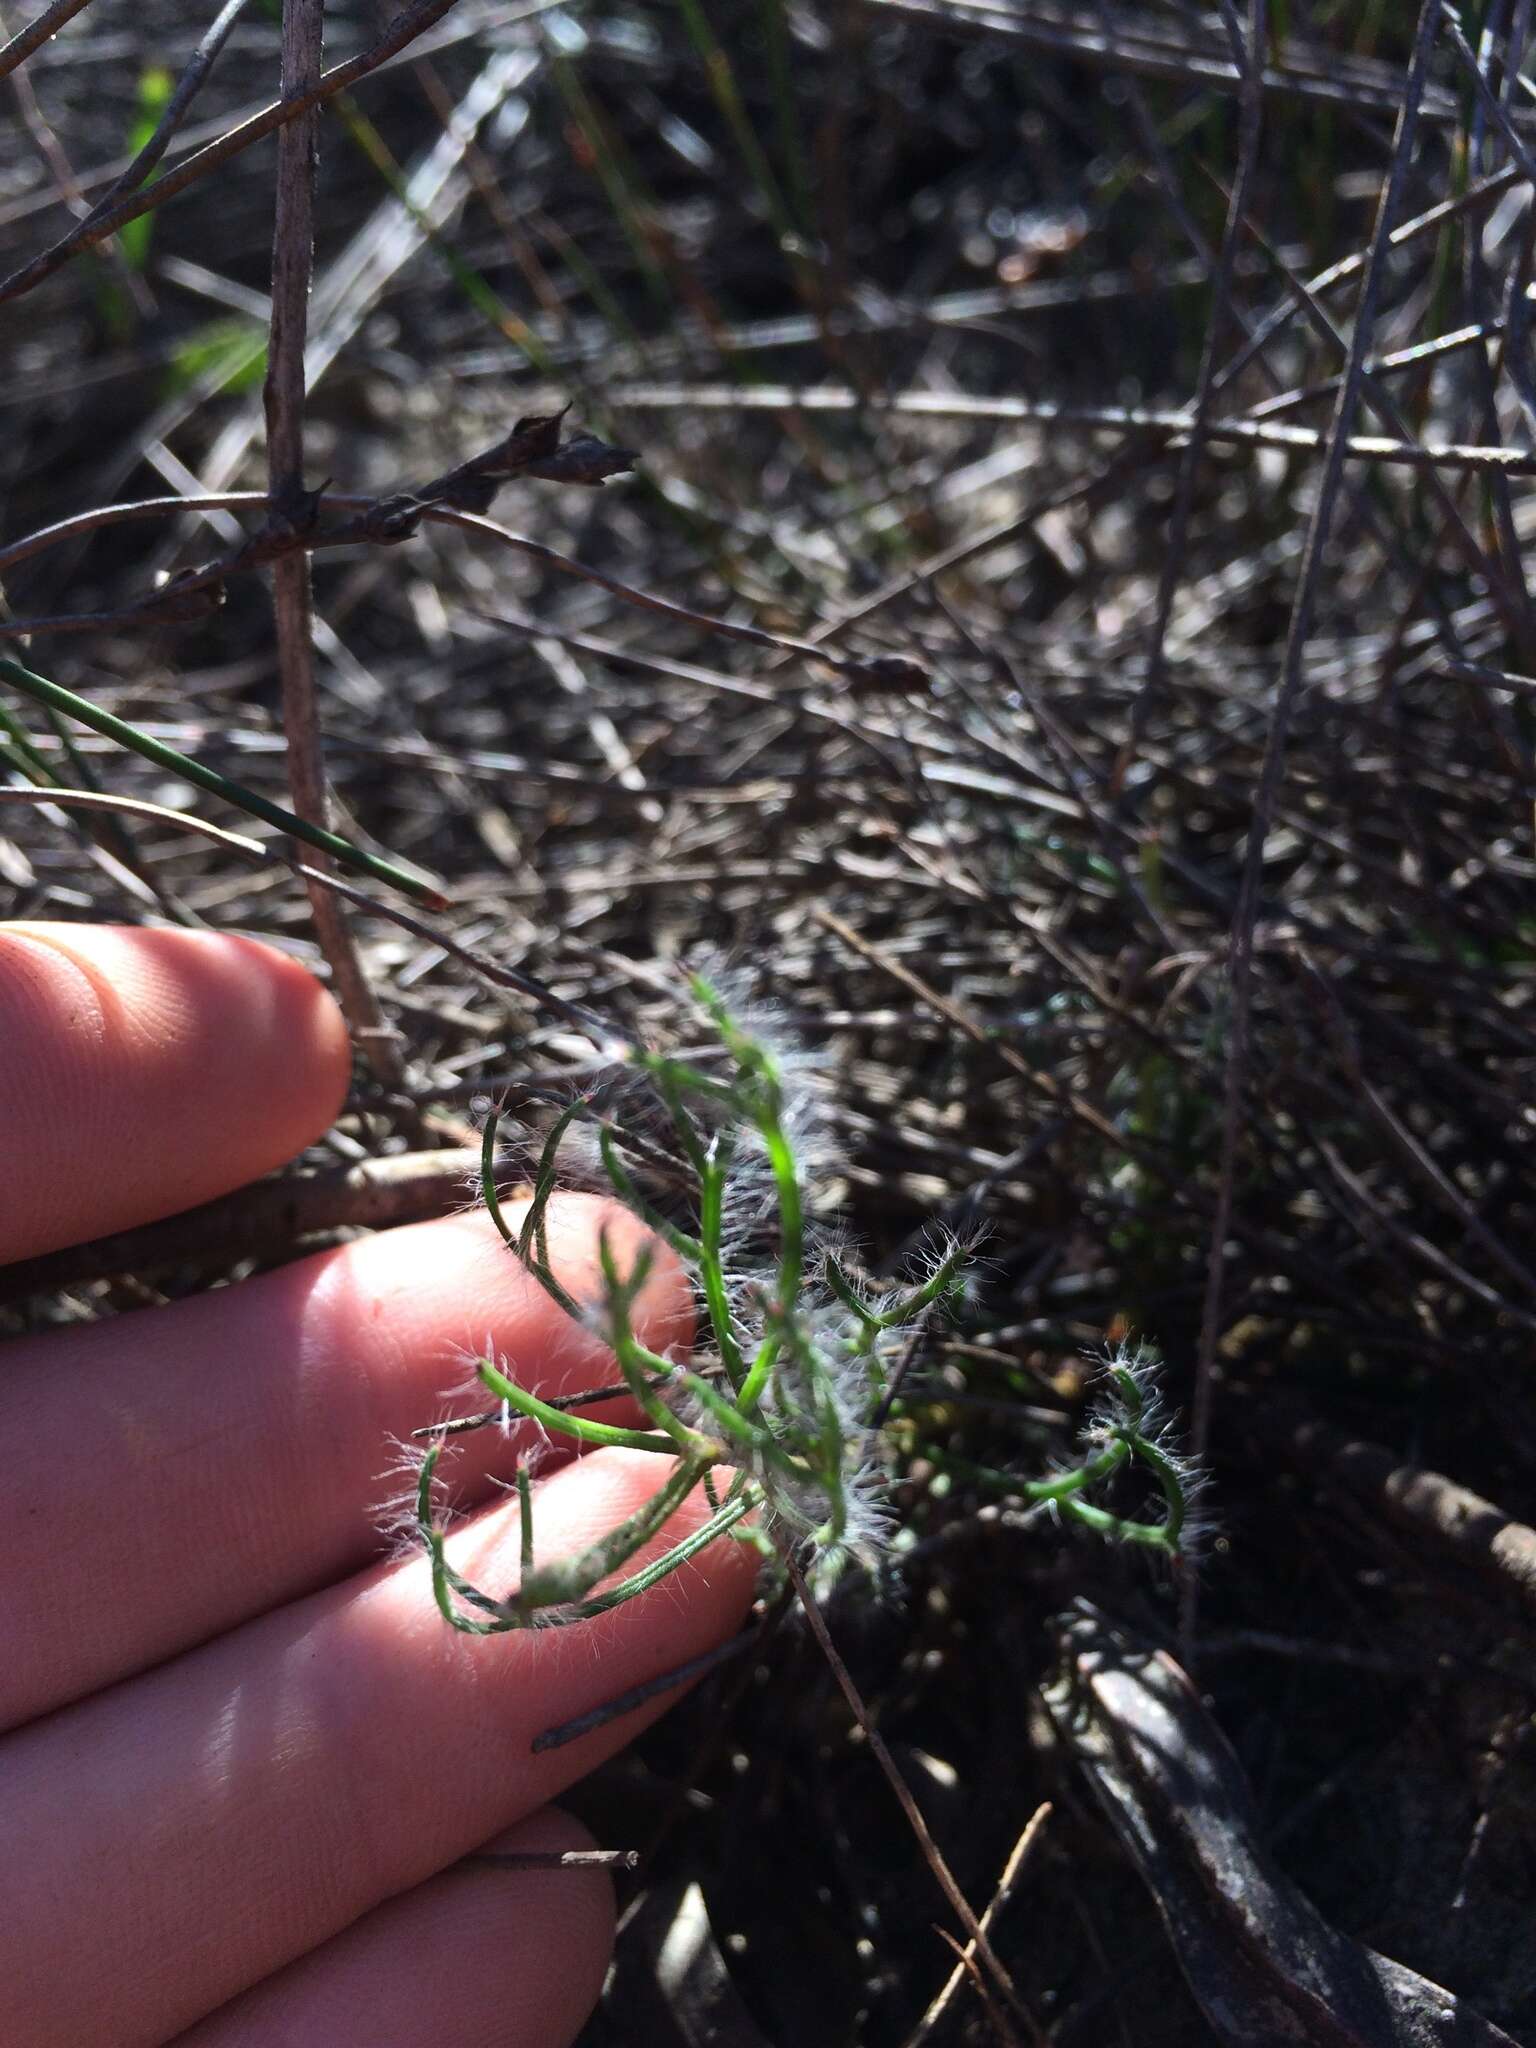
[831,1365]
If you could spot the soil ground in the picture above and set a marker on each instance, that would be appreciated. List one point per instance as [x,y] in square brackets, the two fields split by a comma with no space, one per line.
[1166,914]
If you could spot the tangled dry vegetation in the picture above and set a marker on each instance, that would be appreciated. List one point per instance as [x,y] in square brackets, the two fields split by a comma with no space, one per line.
[1149,431]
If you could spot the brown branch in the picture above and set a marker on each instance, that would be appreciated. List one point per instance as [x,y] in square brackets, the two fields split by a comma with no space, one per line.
[38,32]
[608,1038]
[956,1013]
[1381,401]
[66,183]
[188,86]
[293,247]
[1240,961]
[1125,40]
[261,1220]
[1414,1155]
[97,517]
[1458,1522]
[1176,553]
[457,498]
[1167,423]
[406,26]
[648,1689]
[533,448]
[967,1958]
[552,1859]
[903,1791]
[1464,205]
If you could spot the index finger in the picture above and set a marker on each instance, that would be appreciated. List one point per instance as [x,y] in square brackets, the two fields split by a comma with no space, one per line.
[145,1071]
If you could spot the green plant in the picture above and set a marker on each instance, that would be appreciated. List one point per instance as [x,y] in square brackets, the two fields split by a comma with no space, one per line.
[793,1391]
[1127,1427]
[153,98]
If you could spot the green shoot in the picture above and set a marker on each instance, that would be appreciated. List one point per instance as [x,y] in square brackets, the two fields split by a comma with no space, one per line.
[789,1392]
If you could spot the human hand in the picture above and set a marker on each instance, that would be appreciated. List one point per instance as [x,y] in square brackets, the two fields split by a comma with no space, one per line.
[243,1749]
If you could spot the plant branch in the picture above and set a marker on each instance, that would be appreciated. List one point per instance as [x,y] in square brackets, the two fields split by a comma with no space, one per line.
[293,243]
[976,1933]
[105,220]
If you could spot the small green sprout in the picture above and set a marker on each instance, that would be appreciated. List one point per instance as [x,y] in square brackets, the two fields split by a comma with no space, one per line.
[792,1388]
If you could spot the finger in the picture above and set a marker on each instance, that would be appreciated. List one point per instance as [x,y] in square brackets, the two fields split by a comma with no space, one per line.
[145,1071]
[225,1814]
[180,1471]
[481,1957]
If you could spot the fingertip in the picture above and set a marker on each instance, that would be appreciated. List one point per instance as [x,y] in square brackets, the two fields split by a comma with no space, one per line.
[698,1605]
[148,1070]
[360,1746]
[483,1956]
[588,1904]
[326,1366]
[579,1224]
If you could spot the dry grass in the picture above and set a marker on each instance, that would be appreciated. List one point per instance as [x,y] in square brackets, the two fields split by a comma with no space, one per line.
[941,335]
